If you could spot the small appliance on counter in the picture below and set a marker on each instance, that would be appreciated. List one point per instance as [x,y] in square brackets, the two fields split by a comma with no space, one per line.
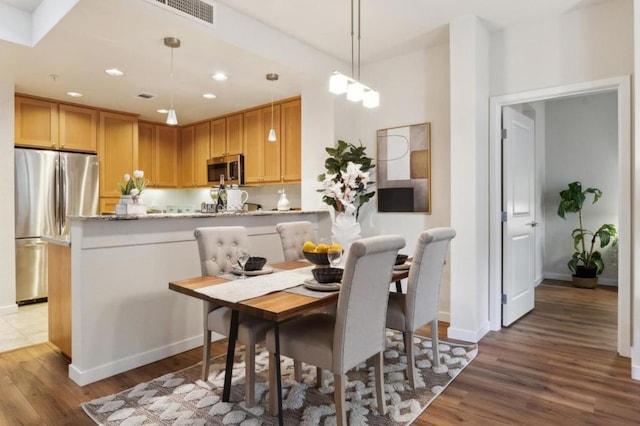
[283,202]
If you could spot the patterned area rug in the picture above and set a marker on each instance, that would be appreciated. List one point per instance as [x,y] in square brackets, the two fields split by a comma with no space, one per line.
[183,399]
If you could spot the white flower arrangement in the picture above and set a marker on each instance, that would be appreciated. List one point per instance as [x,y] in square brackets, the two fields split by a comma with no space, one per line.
[347,177]
[133,186]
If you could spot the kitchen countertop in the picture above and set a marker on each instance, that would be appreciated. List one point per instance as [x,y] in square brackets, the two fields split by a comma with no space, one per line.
[61,241]
[148,216]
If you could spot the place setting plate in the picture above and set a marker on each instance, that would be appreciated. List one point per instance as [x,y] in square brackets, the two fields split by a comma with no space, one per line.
[266,269]
[312,284]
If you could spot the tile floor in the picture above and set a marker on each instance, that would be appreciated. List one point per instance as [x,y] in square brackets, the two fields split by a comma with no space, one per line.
[27,327]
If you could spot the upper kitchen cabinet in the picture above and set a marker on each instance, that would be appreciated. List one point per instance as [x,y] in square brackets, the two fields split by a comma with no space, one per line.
[226,135]
[117,150]
[158,154]
[261,157]
[194,155]
[78,128]
[290,140]
[44,124]
[234,128]
[36,123]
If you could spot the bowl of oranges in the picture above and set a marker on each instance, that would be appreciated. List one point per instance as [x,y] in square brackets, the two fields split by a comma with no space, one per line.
[317,254]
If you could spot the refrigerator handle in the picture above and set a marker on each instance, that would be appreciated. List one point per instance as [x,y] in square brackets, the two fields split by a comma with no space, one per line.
[63,195]
[56,206]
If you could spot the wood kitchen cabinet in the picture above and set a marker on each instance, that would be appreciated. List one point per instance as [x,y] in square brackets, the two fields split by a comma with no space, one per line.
[59,296]
[158,154]
[226,135]
[290,140]
[234,131]
[261,157]
[108,204]
[117,150]
[44,124]
[194,155]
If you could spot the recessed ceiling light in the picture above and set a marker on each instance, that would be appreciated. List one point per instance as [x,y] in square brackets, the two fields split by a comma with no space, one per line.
[114,72]
[163,111]
[209,96]
[74,94]
[219,76]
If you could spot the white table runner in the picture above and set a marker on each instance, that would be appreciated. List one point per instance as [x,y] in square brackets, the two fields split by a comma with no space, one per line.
[238,290]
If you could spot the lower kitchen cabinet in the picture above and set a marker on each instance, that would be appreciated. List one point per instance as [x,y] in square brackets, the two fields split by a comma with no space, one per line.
[59,297]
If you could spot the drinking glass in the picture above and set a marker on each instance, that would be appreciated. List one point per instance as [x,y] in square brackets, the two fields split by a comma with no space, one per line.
[243,257]
[335,257]
[213,192]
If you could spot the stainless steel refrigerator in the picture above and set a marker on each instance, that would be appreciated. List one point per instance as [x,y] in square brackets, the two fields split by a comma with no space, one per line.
[49,186]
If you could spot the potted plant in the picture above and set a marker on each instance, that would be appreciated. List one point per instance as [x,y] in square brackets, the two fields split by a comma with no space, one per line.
[586,262]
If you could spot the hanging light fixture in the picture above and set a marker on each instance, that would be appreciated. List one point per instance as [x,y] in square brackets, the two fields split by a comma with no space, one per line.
[272,133]
[355,90]
[172,42]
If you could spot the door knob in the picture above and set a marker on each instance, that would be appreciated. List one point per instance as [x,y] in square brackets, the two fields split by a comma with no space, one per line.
[532,224]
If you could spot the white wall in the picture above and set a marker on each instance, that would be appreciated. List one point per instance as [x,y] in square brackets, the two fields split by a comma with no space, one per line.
[469,84]
[635,285]
[7,224]
[590,43]
[582,145]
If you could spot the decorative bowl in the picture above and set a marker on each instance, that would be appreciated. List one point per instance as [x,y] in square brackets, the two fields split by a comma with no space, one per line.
[316,258]
[255,263]
[401,258]
[327,275]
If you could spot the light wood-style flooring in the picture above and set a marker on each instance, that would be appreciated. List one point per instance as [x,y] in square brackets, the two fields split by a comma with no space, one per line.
[555,366]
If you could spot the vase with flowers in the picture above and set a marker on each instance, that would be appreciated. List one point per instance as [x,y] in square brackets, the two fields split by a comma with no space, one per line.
[130,192]
[346,185]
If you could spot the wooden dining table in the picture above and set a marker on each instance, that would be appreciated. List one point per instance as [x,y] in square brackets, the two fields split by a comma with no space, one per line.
[277,307]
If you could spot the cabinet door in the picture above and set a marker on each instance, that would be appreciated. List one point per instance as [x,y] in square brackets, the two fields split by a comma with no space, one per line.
[290,140]
[218,137]
[201,153]
[271,150]
[166,159]
[78,128]
[117,150]
[147,151]
[36,123]
[187,158]
[108,204]
[253,144]
[235,139]
[59,297]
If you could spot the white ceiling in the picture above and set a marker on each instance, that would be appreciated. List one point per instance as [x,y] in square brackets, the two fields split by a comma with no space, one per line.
[127,34]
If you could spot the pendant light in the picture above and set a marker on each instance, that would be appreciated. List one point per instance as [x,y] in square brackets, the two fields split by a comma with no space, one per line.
[355,90]
[272,133]
[172,42]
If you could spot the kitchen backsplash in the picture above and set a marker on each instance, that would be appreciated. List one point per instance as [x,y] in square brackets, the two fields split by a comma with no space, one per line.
[185,200]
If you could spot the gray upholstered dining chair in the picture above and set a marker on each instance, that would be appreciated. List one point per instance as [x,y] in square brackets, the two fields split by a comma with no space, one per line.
[218,247]
[357,331]
[419,306]
[292,236]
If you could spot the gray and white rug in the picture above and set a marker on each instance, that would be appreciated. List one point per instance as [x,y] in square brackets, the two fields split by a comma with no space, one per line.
[183,399]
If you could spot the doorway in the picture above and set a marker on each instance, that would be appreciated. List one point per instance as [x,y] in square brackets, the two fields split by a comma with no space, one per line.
[622,88]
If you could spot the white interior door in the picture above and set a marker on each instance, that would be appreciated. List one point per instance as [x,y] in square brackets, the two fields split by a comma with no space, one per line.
[518,189]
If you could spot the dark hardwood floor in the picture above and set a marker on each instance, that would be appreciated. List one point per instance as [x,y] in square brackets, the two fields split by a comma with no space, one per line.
[557,365]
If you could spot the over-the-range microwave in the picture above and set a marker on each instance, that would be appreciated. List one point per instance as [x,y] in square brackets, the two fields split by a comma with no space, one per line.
[231,166]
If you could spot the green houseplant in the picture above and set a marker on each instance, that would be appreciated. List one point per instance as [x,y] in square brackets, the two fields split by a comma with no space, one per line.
[586,262]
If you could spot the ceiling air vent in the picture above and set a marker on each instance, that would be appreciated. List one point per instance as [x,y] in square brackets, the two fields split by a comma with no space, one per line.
[202,10]
[145,96]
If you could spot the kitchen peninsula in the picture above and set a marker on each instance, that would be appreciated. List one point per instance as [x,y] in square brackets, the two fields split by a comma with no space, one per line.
[123,315]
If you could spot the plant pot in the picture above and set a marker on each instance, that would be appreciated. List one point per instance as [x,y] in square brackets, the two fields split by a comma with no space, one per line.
[584,272]
[582,282]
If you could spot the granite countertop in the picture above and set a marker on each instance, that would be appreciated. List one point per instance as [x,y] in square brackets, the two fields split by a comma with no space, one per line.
[195,215]
[61,241]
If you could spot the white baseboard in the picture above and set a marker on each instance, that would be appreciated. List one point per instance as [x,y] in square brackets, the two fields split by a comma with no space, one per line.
[567,277]
[473,336]
[444,316]
[125,364]
[635,372]
[9,309]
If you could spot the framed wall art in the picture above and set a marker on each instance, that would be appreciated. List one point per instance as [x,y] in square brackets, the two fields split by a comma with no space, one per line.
[404,169]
